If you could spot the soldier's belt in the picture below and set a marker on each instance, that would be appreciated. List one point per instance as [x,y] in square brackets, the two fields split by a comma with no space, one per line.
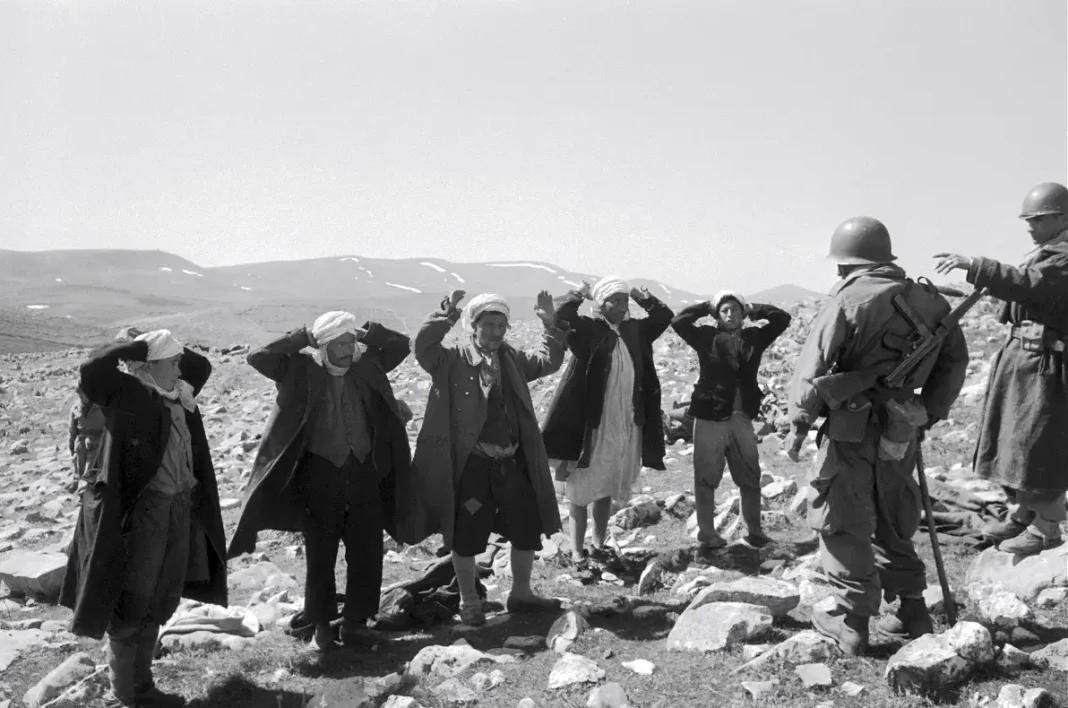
[1034,343]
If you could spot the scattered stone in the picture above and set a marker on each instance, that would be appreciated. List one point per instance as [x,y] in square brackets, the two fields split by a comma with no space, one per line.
[934,598]
[641,667]
[1004,609]
[752,651]
[1023,637]
[19,447]
[573,668]
[805,647]
[263,576]
[76,668]
[610,695]
[779,596]
[927,667]
[814,675]
[971,641]
[1052,597]
[650,578]
[852,689]
[527,645]
[637,515]
[203,640]
[565,630]
[1025,577]
[446,662]
[454,691]
[1054,656]
[1011,659]
[1016,696]
[401,702]
[718,625]
[526,703]
[760,689]
[779,488]
[15,641]
[34,574]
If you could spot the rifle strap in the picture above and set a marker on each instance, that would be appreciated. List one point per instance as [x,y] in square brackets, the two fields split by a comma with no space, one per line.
[911,316]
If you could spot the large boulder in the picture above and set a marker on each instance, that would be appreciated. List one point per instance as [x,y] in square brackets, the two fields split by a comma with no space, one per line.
[1013,695]
[1025,578]
[928,667]
[779,596]
[971,641]
[74,669]
[718,625]
[1053,656]
[34,574]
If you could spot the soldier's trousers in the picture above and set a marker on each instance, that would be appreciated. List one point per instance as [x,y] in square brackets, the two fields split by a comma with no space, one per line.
[866,511]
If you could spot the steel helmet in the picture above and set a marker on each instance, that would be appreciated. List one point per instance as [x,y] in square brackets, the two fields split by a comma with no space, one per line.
[861,240]
[1045,198]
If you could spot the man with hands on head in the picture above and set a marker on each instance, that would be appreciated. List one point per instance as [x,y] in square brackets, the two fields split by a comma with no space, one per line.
[1022,442]
[480,464]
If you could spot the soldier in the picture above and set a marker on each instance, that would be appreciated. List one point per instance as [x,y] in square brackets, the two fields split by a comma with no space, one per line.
[867,505]
[1022,441]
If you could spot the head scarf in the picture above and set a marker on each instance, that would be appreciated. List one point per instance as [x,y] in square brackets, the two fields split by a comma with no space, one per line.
[480,305]
[328,327]
[608,286]
[163,345]
[722,295]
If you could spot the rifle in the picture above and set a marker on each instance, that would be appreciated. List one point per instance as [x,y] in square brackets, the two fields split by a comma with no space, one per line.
[838,387]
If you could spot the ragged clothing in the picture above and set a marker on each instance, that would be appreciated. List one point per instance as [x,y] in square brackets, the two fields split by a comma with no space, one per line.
[1022,441]
[86,425]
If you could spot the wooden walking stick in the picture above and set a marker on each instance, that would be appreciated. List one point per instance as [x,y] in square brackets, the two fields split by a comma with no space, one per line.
[951,607]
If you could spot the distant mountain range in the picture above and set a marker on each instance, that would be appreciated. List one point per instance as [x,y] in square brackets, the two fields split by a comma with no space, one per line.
[55,298]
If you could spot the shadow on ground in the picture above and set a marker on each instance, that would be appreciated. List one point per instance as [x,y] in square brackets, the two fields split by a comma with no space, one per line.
[239,692]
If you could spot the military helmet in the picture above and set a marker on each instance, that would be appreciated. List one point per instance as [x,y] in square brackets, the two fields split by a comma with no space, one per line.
[861,240]
[1045,198]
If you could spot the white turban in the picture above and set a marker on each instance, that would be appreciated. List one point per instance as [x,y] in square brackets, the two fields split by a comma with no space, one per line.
[722,295]
[608,286]
[161,344]
[481,304]
[331,325]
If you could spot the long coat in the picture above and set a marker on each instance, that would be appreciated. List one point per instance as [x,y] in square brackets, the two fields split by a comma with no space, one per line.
[456,413]
[137,429]
[271,500]
[1023,438]
[577,405]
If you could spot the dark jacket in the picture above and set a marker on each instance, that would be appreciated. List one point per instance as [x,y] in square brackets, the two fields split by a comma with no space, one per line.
[577,405]
[137,429]
[271,499]
[729,360]
[1022,442]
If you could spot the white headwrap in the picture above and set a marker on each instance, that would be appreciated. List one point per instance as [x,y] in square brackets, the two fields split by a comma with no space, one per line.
[608,286]
[481,304]
[163,345]
[722,295]
[328,327]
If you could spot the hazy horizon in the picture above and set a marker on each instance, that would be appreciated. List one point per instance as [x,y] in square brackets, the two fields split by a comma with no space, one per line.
[708,145]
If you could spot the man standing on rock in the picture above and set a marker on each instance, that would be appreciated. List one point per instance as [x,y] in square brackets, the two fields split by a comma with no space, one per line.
[867,505]
[725,400]
[480,463]
[149,531]
[1023,439]
[334,463]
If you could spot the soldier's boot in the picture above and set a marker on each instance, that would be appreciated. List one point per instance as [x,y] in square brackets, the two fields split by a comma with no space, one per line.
[148,694]
[1014,525]
[911,620]
[850,632]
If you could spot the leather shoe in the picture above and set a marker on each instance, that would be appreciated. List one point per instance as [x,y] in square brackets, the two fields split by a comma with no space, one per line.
[850,632]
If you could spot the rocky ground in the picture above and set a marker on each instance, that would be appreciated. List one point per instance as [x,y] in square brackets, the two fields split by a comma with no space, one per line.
[657,629]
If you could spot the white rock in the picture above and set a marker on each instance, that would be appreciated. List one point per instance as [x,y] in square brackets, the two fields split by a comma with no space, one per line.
[779,488]
[927,666]
[526,703]
[446,662]
[852,689]
[718,625]
[1053,656]
[1004,609]
[261,576]
[1025,578]
[74,669]
[565,630]
[971,641]
[610,695]
[650,578]
[641,667]
[779,596]
[1011,659]
[1052,597]
[1016,696]
[934,598]
[760,689]
[401,702]
[15,641]
[34,574]
[814,675]
[454,691]
[573,668]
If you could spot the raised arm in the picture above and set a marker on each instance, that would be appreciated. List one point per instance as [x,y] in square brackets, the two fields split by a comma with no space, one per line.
[566,311]
[777,322]
[273,359]
[429,351]
[685,325]
[660,315]
[1040,288]
[108,387]
[546,358]
[194,368]
[391,347]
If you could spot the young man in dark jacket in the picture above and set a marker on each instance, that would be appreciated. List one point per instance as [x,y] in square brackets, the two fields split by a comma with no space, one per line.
[725,400]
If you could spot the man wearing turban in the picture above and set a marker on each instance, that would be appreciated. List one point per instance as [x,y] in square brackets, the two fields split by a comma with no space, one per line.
[604,421]
[149,531]
[480,465]
[334,463]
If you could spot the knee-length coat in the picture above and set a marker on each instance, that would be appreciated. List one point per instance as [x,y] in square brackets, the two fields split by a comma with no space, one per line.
[456,413]
[1023,437]
[271,500]
[135,438]
[576,407]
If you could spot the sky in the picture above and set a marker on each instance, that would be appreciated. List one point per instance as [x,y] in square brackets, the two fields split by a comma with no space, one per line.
[709,144]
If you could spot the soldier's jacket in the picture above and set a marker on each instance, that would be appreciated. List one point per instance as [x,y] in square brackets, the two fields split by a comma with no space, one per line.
[859,329]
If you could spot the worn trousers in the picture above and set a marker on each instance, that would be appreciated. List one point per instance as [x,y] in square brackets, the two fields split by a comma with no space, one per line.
[157,548]
[341,504]
[866,511]
[725,444]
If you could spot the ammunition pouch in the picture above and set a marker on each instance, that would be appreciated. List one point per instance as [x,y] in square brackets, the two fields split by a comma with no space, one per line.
[849,422]
[900,423]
